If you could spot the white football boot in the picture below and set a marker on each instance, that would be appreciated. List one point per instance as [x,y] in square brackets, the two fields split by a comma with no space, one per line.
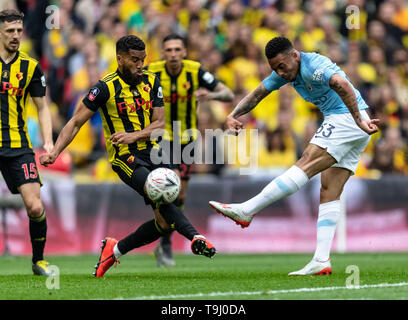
[163,258]
[234,212]
[314,268]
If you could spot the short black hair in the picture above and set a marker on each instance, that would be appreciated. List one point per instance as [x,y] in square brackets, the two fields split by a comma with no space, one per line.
[10,15]
[129,42]
[174,36]
[277,45]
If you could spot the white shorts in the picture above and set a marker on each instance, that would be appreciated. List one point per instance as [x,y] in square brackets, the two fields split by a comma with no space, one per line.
[343,139]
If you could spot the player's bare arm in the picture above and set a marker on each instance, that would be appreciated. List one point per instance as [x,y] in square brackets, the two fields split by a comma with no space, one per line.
[44,119]
[248,103]
[346,93]
[67,134]
[158,122]
[220,93]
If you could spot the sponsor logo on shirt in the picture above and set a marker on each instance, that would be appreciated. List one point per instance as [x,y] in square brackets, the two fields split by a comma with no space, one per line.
[174,97]
[135,106]
[7,87]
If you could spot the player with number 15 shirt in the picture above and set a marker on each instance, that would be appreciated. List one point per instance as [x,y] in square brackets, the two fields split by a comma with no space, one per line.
[21,78]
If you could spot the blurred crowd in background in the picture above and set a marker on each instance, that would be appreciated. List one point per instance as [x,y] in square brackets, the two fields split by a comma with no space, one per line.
[228,38]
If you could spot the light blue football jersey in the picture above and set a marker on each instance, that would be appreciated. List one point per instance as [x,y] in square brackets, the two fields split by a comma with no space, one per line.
[312,83]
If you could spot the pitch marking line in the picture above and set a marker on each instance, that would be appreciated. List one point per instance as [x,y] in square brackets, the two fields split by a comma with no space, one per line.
[253,293]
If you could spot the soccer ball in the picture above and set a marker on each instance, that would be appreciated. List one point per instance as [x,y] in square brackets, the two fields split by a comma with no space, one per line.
[162,185]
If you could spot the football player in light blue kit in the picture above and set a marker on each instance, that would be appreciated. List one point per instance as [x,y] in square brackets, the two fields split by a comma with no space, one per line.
[334,151]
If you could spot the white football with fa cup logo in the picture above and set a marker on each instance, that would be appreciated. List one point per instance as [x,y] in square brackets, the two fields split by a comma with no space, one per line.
[162,185]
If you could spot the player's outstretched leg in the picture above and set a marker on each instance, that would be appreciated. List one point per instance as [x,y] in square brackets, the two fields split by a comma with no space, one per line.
[284,185]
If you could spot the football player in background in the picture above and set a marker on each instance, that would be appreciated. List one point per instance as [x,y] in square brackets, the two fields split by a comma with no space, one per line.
[185,85]
[22,78]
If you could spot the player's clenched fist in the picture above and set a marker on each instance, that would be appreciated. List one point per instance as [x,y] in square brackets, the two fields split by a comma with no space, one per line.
[370,126]
[122,138]
[48,158]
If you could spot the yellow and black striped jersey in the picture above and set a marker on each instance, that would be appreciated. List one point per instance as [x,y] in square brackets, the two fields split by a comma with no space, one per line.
[179,100]
[125,107]
[20,78]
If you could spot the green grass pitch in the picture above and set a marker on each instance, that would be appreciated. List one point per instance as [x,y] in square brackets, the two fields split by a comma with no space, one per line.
[381,276]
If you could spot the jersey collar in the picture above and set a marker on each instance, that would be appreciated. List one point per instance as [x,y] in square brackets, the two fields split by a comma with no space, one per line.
[302,58]
[13,60]
[175,76]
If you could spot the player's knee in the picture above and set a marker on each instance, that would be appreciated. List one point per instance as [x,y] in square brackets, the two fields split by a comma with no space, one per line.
[164,226]
[168,212]
[34,208]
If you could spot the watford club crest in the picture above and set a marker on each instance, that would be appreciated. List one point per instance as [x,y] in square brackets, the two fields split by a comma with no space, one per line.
[131,159]
[19,76]
[146,88]
[187,85]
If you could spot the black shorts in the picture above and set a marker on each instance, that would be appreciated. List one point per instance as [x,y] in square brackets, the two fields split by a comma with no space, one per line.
[180,163]
[133,169]
[19,170]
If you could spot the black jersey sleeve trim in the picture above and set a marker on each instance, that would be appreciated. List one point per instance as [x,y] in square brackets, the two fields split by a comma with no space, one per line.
[157,93]
[37,85]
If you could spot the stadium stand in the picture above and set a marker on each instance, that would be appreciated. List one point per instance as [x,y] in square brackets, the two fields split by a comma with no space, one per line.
[228,38]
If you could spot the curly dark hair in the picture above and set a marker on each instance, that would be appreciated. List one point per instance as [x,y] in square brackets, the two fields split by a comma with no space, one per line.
[130,42]
[11,15]
[277,45]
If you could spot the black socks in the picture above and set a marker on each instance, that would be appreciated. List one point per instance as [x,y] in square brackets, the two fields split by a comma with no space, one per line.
[145,234]
[177,220]
[38,235]
[165,241]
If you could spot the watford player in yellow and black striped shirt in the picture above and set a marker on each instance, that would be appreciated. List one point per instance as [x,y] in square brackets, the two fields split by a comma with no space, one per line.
[125,108]
[21,78]
[185,84]
[130,102]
